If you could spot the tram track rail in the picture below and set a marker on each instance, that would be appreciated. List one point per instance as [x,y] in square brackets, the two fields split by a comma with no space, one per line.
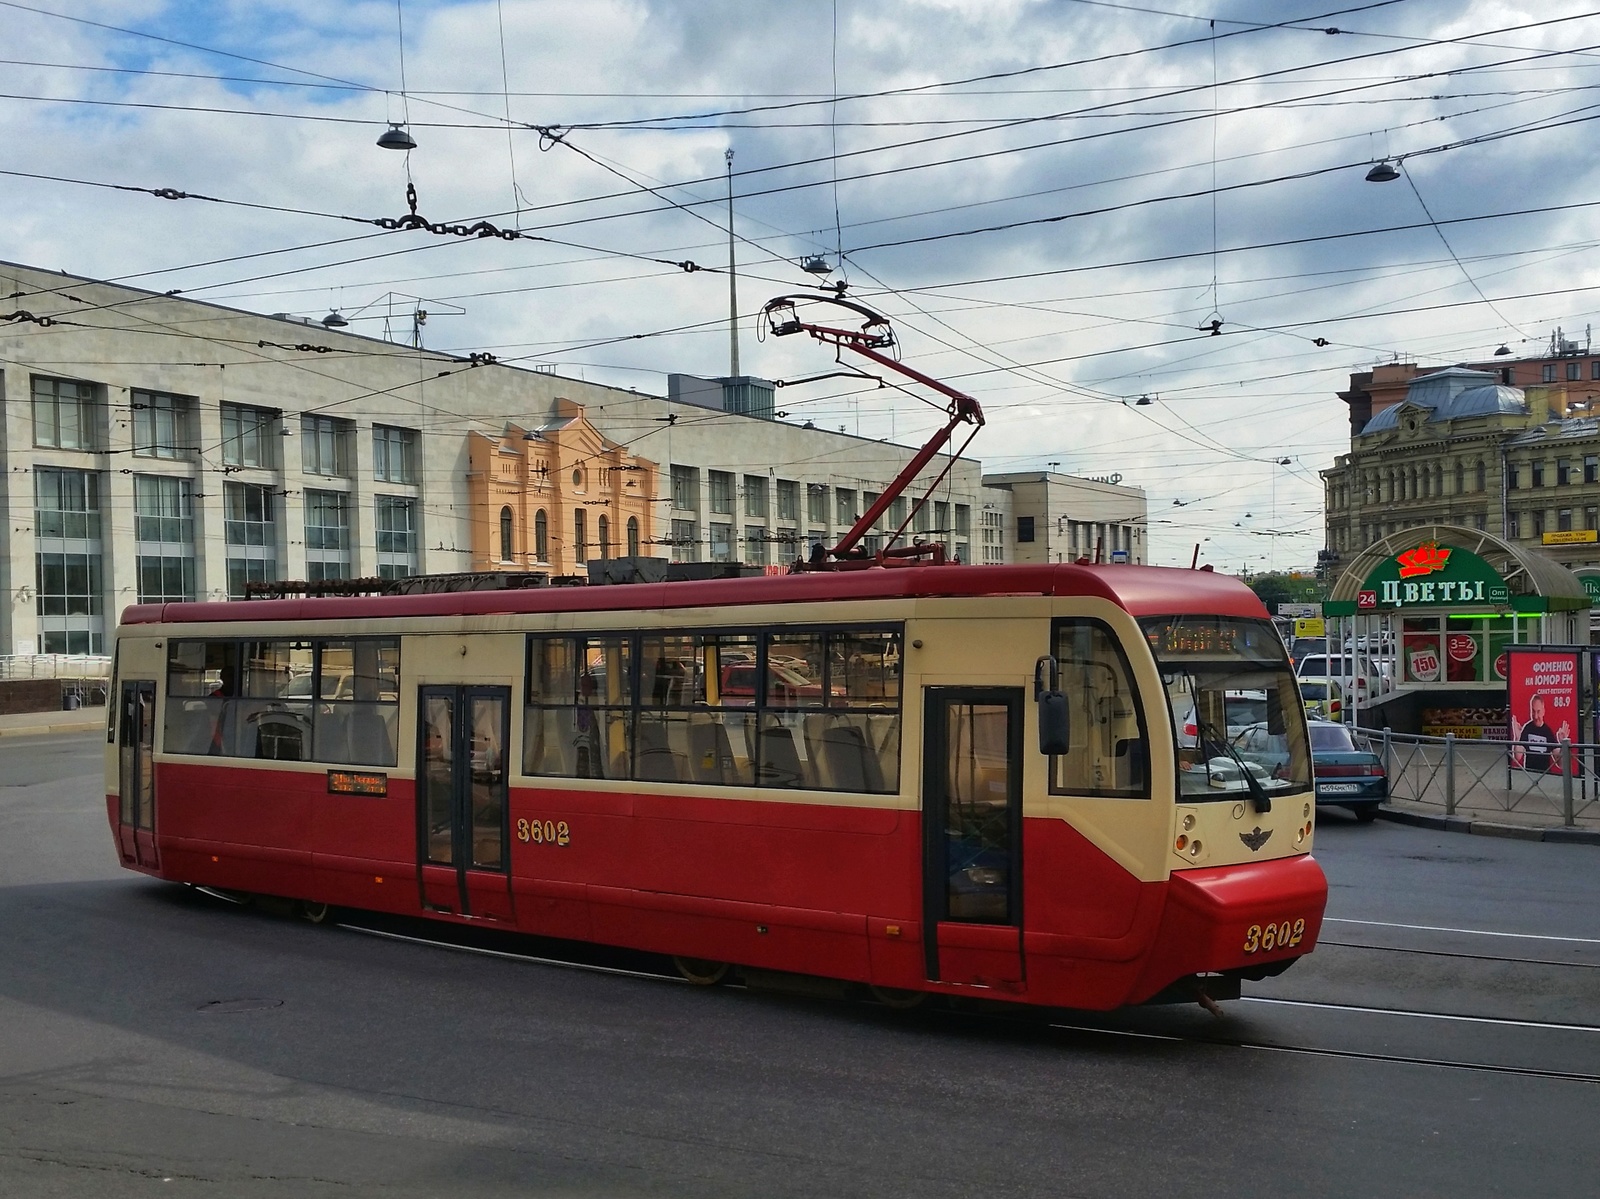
[1220,1039]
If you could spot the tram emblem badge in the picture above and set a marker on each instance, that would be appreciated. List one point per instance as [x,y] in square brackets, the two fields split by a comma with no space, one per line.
[1256,838]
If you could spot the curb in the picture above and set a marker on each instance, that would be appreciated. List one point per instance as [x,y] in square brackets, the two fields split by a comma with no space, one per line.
[61,727]
[1488,828]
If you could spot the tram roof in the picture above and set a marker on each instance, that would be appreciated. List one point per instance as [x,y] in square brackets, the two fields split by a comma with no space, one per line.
[1141,590]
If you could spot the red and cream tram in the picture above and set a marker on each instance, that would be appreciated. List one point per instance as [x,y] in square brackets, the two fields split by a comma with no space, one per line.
[1013,782]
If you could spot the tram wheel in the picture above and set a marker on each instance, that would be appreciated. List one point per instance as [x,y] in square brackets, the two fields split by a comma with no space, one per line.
[897,999]
[701,972]
[316,913]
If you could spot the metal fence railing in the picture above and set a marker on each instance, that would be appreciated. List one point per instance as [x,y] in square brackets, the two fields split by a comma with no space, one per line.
[1498,776]
[55,666]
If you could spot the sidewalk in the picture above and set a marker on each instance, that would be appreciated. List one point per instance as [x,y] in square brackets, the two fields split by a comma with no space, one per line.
[82,720]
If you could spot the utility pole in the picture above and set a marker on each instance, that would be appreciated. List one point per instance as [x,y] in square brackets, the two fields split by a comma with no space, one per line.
[733,281]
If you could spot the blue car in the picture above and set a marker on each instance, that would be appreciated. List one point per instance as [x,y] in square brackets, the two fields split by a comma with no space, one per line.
[1346,777]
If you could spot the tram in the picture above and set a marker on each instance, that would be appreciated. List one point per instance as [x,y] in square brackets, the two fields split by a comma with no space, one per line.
[1022,783]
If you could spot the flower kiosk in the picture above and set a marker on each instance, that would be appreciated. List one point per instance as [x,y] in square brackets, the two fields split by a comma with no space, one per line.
[1426,616]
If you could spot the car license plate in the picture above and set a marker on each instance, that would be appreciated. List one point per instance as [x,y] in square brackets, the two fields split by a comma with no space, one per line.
[1339,788]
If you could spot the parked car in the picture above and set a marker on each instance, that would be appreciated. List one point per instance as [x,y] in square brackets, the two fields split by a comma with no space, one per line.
[1346,777]
[1244,709]
[1357,676]
[1322,697]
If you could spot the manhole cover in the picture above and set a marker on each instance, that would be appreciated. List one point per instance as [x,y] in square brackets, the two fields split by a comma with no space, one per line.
[227,1007]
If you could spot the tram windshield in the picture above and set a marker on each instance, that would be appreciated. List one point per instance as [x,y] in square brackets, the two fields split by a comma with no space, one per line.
[1235,706]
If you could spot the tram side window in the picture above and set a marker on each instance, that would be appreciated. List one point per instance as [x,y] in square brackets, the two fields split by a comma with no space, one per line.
[202,684]
[294,701]
[578,717]
[816,709]
[694,722]
[358,701]
[272,716]
[1110,744]
[856,744]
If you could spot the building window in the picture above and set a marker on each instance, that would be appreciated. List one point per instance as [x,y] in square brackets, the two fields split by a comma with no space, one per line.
[249,436]
[1482,475]
[1547,373]
[1564,520]
[755,545]
[1591,517]
[963,520]
[603,528]
[250,532]
[1024,528]
[541,536]
[633,536]
[327,535]
[685,541]
[63,414]
[325,446]
[163,530]
[1536,474]
[898,511]
[68,561]
[394,454]
[580,536]
[845,506]
[161,425]
[397,537]
[721,542]
[1563,471]
[507,544]
[1513,525]
[1513,476]
[721,491]
[685,488]
[788,499]
[1574,371]
[816,503]
[1594,369]
[1591,468]
[755,496]
[1536,519]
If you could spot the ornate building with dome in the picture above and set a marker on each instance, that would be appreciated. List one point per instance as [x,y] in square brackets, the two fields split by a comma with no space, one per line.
[1460,446]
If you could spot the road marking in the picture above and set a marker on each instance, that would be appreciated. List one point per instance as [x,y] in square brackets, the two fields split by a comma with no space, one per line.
[1389,1011]
[1474,932]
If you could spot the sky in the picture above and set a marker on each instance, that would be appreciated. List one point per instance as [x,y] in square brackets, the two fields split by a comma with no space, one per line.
[1064,206]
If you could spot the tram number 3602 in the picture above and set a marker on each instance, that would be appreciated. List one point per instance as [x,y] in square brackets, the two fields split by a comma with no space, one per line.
[544,832]
[1265,937]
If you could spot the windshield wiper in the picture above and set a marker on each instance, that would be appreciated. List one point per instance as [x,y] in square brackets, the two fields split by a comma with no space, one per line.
[1259,799]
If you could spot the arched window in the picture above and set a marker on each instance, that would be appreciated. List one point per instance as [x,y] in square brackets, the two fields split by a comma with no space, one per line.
[1461,477]
[505,535]
[580,536]
[1482,481]
[1438,478]
[541,536]
[633,536]
[603,527]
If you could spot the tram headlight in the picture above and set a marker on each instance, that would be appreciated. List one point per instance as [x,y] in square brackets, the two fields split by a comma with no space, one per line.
[1194,848]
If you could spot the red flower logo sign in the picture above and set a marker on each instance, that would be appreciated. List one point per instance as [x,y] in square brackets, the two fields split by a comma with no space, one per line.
[1423,560]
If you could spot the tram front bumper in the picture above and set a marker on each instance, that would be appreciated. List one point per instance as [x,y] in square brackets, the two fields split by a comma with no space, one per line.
[1251,920]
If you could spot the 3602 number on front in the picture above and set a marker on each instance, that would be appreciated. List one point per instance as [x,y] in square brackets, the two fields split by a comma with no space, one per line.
[1263,938]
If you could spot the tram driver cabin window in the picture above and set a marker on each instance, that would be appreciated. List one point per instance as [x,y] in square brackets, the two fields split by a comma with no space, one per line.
[334,700]
[1109,753]
[815,709]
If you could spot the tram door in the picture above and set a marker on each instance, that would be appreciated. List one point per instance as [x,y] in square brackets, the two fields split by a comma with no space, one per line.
[463,852]
[972,829]
[136,773]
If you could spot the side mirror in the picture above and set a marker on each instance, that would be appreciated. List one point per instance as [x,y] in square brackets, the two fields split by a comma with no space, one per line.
[1054,718]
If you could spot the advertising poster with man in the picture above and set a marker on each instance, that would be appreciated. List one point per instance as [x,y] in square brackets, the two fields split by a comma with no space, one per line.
[1543,694]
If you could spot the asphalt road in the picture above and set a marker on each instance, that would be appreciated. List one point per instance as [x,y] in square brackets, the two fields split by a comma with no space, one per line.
[155,1041]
